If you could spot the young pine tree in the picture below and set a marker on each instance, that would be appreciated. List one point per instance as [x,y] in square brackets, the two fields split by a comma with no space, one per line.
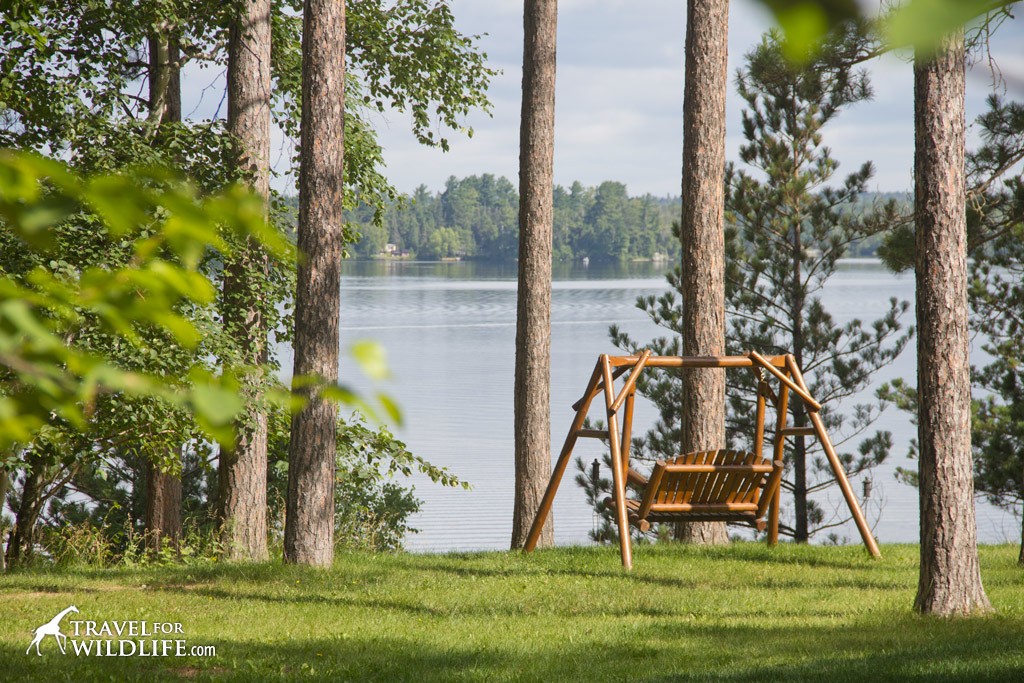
[995,223]
[786,230]
[789,229]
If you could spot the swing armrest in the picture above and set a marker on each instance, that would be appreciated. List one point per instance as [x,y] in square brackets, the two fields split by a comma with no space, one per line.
[635,478]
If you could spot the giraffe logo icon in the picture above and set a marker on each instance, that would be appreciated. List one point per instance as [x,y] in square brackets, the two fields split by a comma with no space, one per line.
[51,628]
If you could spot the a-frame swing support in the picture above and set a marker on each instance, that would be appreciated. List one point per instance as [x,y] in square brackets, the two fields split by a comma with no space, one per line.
[791,384]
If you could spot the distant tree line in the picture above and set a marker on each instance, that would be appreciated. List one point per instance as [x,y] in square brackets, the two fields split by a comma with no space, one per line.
[477,218]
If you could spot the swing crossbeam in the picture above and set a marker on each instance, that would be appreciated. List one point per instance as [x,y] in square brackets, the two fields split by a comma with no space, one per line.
[715,485]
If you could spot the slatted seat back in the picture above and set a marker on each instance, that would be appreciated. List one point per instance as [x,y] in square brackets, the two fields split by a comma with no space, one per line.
[716,482]
[702,488]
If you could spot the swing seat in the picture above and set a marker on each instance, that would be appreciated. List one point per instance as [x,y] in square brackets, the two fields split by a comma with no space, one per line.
[707,486]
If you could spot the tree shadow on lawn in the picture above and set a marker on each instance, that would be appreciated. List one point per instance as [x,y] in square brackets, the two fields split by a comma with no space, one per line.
[687,598]
[415,608]
[839,557]
[697,581]
[904,648]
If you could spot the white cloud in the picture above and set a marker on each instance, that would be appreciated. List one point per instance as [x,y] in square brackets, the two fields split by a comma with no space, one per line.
[619,99]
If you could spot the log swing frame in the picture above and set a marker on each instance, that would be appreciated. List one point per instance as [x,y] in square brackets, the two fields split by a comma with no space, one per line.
[718,485]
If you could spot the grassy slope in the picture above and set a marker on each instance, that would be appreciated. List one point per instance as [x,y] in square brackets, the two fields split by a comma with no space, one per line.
[737,614]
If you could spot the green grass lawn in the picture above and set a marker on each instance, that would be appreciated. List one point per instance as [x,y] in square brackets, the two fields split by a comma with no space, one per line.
[743,613]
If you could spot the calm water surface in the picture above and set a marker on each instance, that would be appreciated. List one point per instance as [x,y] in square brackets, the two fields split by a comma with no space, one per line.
[449,330]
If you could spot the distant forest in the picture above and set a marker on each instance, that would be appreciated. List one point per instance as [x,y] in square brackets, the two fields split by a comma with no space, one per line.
[477,218]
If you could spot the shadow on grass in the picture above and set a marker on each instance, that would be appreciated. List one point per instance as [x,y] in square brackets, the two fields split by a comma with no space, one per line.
[906,648]
[654,575]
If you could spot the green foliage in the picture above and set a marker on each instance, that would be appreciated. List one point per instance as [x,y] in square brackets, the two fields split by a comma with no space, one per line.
[95,512]
[108,338]
[443,242]
[789,231]
[405,55]
[997,303]
[165,229]
[70,70]
[806,23]
[922,24]
[410,57]
[917,24]
[95,546]
[121,345]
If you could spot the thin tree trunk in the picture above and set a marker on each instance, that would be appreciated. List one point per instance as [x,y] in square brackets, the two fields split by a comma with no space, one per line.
[801,532]
[22,538]
[163,509]
[1020,555]
[533,316]
[160,77]
[801,521]
[4,482]
[950,578]
[163,491]
[242,475]
[309,524]
[703,238]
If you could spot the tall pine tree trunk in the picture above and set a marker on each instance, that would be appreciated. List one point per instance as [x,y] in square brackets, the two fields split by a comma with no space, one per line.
[163,490]
[950,579]
[309,524]
[242,476]
[533,316]
[703,238]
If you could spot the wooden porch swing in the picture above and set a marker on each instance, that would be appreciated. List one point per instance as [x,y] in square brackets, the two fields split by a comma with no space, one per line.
[716,485]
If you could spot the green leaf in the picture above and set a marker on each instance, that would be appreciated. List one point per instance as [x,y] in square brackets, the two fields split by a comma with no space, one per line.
[923,24]
[372,358]
[122,205]
[390,408]
[215,405]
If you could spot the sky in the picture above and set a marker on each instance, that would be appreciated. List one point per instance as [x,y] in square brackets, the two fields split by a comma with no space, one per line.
[619,100]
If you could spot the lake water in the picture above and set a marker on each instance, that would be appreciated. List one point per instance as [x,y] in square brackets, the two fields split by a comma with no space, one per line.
[449,331]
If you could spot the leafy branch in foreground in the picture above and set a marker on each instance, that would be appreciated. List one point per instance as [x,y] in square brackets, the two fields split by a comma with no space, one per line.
[170,229]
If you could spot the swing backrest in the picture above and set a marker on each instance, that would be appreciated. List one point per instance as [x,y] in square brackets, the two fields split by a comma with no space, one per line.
[716,482]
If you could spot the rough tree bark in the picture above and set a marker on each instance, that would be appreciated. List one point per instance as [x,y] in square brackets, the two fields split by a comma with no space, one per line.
[163,509]
[703,238]
[4,479]
[242,475]
[533,315]
[309,524]
[950,579]
[22,537]
[1020,555]
[163,490]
